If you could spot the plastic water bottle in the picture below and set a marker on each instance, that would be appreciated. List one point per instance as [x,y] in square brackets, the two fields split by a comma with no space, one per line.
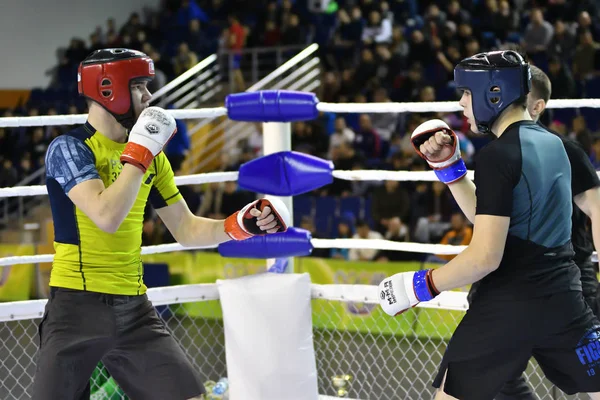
[221,387]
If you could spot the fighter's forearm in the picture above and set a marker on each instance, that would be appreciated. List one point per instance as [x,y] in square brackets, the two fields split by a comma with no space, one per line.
[589,203]
[198,231]
[464,194]
[464,269]
[596,231]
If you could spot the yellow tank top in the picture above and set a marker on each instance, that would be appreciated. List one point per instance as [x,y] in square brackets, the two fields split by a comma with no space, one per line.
[88,258]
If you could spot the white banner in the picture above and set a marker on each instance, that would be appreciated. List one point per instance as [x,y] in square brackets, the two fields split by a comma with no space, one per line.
[268,337]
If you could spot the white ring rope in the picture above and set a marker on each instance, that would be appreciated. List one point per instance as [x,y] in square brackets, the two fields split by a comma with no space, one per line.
[382,244]
[386,175]
[368,294]
[198,179]
[213,177]
[196,113]
[74,119]
[372,244]
[376,244]
[45,258]
[437,106]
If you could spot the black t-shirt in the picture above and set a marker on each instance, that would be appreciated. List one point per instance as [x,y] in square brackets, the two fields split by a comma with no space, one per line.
[525,175]
[583,178]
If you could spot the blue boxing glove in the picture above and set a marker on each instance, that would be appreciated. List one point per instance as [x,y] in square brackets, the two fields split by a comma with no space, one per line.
[405,290]
[436,143]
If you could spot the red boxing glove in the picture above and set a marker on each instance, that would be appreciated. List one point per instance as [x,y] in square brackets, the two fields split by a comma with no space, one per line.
[260,217]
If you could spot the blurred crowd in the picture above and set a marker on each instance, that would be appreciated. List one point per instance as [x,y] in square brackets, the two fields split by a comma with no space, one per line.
[371,51]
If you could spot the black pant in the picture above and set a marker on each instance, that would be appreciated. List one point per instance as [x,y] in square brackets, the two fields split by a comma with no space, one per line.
[79,329]
[496,338]
[518,389]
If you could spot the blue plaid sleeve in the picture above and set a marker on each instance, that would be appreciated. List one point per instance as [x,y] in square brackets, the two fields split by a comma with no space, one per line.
[69,162]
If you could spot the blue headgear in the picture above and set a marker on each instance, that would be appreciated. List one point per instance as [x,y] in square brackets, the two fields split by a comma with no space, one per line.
[496,79]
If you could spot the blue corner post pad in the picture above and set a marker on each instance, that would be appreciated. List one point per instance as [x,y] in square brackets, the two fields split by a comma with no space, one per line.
[272,106]
[295,242]
[287,173]
[280,266]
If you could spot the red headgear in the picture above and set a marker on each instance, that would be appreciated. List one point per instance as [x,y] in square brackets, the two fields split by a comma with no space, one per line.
[105,75]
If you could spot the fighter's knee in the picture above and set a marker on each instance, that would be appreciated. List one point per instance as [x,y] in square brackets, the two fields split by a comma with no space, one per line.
[440,395]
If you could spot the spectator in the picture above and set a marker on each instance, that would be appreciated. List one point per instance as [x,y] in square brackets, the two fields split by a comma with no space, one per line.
[439,207]
[472,47]
[294,33]
[563,84]
[359,188]
[585,23]
[198,42]
[537,34]
[25,167]
[595,153]
[420,49]
[348,37]
[363,231]
[585,56]
[389,200]
[223,199]
[190,10]
[344,231]
[309,138]
[507,20]
[8,174]
[448,59]
[367,140]
[342,134]
[163,65]
[330,89]
[160,76]
[307,223]
[235,39]
[272,34]
[132,27]
[459,234]
[38,145]
[377,30]
[179,145]
[367,69]
[582,134]
[185,59]
[397,231]
[383,123]
[344,157]
[457,14]
[435,19]
[399,49]
[563,42]
[7,143]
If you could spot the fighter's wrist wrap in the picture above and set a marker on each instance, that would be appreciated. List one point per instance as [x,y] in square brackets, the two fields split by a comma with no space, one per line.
[452,173]
[425,290]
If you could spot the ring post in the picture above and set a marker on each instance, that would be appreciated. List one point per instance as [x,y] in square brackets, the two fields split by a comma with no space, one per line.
[277,136]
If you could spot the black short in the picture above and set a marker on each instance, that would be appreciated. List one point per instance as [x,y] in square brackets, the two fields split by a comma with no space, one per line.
[496,339]
[79,329]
